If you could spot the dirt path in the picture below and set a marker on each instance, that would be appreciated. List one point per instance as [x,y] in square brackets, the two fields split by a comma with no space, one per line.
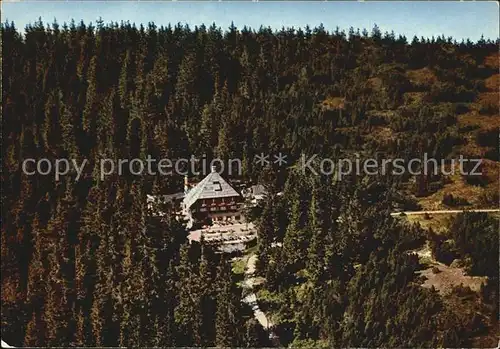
[411,213]
[251,299]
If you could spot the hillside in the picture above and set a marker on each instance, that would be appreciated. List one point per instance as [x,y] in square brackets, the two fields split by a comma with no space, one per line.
[85,262]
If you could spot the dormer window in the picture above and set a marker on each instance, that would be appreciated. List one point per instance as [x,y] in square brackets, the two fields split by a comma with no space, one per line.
[217,186]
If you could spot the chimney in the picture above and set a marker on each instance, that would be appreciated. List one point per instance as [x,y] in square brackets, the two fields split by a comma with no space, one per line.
[186,184]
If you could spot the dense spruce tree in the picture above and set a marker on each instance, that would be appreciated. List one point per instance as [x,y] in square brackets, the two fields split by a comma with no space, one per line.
[229,321]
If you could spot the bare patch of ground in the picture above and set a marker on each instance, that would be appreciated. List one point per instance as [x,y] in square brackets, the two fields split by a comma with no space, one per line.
[424,76]
[493,82]
[447,277]
[375,83]
[492,61]
[382,133]
[488,99]
[483,122]
[414,97]
[444,278]
[334,103]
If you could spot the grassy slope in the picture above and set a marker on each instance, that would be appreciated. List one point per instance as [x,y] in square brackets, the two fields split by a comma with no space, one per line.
[475,123]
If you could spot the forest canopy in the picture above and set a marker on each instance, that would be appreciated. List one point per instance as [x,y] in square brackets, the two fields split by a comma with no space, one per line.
[84,264]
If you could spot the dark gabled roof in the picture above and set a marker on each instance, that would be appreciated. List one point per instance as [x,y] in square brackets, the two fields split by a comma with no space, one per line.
[212,186]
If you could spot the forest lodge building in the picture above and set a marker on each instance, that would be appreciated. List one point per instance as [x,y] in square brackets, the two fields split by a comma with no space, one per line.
[212,199]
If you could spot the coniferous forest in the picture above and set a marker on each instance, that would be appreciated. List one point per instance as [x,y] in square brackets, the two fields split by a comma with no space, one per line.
[84,263]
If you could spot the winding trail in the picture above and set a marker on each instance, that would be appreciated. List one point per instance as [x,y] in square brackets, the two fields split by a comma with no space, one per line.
[251,299]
